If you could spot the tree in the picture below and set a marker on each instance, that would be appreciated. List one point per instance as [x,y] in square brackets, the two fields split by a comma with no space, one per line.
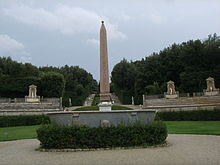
[188,64]
[52,84]
[123,79]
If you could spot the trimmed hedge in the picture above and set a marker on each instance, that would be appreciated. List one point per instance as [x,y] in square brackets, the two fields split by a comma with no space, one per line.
[57,137]
[198,115]
[8,121]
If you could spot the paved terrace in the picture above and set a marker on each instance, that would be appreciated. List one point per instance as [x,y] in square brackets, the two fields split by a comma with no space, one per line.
[182,150]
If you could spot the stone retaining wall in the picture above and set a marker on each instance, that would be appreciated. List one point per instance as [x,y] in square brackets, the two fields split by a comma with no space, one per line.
[9,107]
[183,103]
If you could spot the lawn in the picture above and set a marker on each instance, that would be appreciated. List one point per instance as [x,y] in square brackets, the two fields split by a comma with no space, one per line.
[174,127]
[20,132]
[193,127]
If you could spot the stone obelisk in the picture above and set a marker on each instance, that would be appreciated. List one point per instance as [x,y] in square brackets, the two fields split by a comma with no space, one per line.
[104,73]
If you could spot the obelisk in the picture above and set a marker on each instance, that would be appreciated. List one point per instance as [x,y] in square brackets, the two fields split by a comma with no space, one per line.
[104,73]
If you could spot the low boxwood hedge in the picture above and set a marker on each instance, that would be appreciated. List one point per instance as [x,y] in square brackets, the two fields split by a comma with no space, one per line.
[195,115]
[9,121]
[57,137]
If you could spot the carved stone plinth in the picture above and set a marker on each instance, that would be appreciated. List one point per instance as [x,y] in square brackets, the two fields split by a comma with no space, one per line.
[174,96]
[105,97]
[211,93]
[105,106]
[32,99]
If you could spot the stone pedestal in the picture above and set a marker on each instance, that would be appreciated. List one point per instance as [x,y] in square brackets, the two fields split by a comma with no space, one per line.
[105,106]
[105,97]
[173,96]
[211,93]
[32,99]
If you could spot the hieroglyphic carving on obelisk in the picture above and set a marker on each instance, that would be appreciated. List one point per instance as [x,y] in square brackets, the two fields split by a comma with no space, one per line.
[104,74]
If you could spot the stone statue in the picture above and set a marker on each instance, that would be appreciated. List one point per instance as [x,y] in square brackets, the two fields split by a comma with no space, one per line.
[171,92]
[32,91]
[32,96]
[211,90]
[132,100]
[210,84]
[170,88]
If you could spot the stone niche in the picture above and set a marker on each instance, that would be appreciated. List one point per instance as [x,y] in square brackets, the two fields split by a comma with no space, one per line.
[211,90]
[171,92]
[32,97]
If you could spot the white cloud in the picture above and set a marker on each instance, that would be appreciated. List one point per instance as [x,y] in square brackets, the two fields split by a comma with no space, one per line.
[157,19]
[93,42]
[65,19]
[125,17]
[8,44]
[13,48]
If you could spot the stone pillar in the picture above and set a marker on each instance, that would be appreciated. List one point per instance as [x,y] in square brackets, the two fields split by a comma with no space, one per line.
[132,100]
[104,73]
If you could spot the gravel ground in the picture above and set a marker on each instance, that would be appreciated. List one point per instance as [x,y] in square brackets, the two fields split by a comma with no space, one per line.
[182,150]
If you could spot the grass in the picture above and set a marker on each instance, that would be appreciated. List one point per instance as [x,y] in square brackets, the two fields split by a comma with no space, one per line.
[96,108]
[20,132]
[193,127]
[174,127]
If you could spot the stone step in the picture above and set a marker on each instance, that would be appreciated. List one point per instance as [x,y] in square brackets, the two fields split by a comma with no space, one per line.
[182,101]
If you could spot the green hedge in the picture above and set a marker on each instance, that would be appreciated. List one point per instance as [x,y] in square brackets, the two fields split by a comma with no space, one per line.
[198,115]
[8,121]
[56,137]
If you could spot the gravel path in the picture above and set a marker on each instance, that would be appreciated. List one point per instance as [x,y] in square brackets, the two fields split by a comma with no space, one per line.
[183,150]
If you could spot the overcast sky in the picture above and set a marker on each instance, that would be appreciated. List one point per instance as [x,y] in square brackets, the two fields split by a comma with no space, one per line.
[49,32]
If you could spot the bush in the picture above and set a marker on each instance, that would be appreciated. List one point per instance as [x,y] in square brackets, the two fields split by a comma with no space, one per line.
[198,115]
[137,134]
[7,121]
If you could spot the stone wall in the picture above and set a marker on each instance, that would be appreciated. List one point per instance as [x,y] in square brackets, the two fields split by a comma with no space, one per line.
[102,118]
[182,103]
[15,107]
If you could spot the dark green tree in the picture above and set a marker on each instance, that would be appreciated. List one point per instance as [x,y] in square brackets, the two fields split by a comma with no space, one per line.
[52,84]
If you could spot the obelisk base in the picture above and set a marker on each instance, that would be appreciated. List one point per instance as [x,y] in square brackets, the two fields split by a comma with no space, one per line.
[105,106]
[105,97]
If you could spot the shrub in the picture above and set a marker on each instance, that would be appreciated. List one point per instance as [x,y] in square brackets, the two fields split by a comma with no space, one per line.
[198,115]
[137,134]
[7,121]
